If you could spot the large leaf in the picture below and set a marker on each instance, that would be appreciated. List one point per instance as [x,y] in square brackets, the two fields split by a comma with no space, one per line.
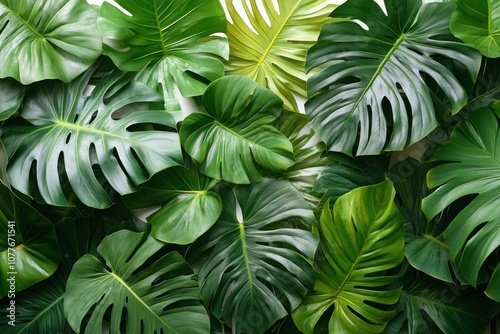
[40,307]
[162,296]
[472,160]
[233,134]
[257,268]
[170,41]
[477,23]
[12,93]
[28,248]
[375,84]
[429,306]
[425,247]
[188,209]
[51,39]
[360,240]
[84,131]
[274,55]
[308,150]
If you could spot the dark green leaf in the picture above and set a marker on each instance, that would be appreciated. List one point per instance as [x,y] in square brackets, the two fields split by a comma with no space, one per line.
[234,134]
[360,240]
[12,93]
[255,269]
[50,39]
[375,82]
[477,23]
[162,296]
[170,41]
[69,134]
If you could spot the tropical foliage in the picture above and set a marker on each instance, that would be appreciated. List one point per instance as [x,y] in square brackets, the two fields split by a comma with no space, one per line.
[158,175]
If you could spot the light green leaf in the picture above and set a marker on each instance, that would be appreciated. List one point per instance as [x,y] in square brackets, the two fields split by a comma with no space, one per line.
[274,55]
[28,247]
[255,269]
[50,39]
[160,297]
[471,161]
[169,41]
[233,135]
[188,209]
[12,94]
[477,23]
[69,134]
[360,240]
[376,81]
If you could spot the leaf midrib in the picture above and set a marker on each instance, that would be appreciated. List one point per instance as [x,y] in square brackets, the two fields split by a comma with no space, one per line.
[45,310]
[244,246]
[24,22]
[125,285]
[275,38]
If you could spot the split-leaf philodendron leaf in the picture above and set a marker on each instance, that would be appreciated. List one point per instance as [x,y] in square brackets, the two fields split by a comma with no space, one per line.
[256,268]
[471,161]
[68,134]
[160,297]
[233,134]
[360,240]
[274,55]
[373,95]
[28,247]
[171,42]
[50,39]
[12,94]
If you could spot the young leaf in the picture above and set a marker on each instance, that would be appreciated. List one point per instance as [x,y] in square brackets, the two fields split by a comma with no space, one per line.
[375,83]
[274,55]
[160,297]
[51,39]
[477,23]
[255,269]
[28,247]
[360,240]
[188,209]
[80,132]
[170,42]
[233,134]
[471,160]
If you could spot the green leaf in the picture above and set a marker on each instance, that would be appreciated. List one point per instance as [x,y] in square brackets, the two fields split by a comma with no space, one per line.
[471,160]
[70,133]
[12,94]
[308,150]
[256,268]
[360,240]
[486,90]
[477,23]
[274,55]
[429,306]
[160,296]
[170,42]
[233,134]
[28,247]
[188,209]
[425,249]
[52,39]
[376,83]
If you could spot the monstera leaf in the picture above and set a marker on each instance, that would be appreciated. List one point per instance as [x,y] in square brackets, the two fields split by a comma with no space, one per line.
[375,82]
[360,240]
[477,23]
[69,134]
[28,248]
[170,41]
[160,297]
[12,94]
[486,90]
[274,55]
[233,134]
[429,306]
[52,39]
[256,268]
[471,162]
[188,209]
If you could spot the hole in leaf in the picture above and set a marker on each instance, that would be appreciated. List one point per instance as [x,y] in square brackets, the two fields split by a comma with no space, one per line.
[359,315]
[68,138]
